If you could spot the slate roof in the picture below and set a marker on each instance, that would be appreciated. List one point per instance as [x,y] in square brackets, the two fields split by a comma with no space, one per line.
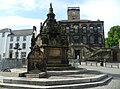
[72,21]
[23,32]
[5,30]
[83,20]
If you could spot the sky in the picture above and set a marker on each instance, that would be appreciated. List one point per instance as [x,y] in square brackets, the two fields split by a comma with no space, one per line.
[24,14]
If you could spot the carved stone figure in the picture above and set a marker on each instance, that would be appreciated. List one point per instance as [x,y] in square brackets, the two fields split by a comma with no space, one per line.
[36,60]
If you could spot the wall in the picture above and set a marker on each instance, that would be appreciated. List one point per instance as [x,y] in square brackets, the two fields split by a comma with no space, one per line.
[3,44]
[118,56]
[12,63]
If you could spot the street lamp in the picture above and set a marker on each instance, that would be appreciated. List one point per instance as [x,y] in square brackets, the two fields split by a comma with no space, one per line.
[17,49]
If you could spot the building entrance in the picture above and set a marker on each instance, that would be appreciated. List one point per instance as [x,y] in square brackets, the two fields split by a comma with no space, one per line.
[77,54]
[10,54]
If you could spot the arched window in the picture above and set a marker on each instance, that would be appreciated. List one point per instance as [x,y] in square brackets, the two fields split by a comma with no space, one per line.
[67,29]
[91,29]
[76,29]
[99,30]
[84,28]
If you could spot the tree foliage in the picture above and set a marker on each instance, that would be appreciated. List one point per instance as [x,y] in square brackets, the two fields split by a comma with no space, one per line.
[113,37]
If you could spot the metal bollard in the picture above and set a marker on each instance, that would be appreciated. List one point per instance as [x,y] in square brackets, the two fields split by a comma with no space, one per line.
[96,63]
[91,64]
[111,66]
[86,63]
[117,65]
[105,64]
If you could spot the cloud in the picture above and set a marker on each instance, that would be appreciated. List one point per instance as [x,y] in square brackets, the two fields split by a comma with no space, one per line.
[17,22]
[18,4]
[28,5]
[106,10]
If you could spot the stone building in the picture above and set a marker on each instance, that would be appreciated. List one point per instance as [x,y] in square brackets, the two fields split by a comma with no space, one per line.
[83,35]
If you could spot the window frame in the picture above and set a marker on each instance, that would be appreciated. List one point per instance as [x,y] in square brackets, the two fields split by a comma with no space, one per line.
[23,45]
[11,38]
[23,54]
[18,38]
[91,30]
[84,40]
[3,34]
[99,30]
[67,29]
[76,38]
[24,38]
[11,46]
[76,28]
[92,39]
[84,29]
[99,39]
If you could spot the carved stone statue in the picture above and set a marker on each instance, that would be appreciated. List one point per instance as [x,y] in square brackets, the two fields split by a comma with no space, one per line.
[36,61]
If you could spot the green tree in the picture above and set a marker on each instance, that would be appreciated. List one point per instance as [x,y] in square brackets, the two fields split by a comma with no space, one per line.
[113,37]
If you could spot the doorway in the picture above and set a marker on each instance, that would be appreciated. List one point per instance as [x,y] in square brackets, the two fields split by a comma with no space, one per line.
[10,54]
[77,54]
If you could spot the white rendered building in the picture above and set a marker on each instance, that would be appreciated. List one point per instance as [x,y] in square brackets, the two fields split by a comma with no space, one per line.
[15,43]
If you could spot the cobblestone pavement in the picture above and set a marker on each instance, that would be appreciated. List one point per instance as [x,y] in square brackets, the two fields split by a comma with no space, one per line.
[115,72]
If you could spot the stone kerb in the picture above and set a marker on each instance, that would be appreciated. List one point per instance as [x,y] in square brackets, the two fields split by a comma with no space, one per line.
[65,86]
[49,82]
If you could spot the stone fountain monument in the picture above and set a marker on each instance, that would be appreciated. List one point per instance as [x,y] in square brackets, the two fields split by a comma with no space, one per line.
[54,45]
[54,41]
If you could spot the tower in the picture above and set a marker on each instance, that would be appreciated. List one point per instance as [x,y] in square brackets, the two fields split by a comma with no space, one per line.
[73,13]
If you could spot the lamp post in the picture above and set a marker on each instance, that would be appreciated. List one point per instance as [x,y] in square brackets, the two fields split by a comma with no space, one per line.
[17,48]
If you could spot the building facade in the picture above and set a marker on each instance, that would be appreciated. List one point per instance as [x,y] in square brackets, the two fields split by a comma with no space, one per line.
[15,43]
[82,34]
[88,32]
